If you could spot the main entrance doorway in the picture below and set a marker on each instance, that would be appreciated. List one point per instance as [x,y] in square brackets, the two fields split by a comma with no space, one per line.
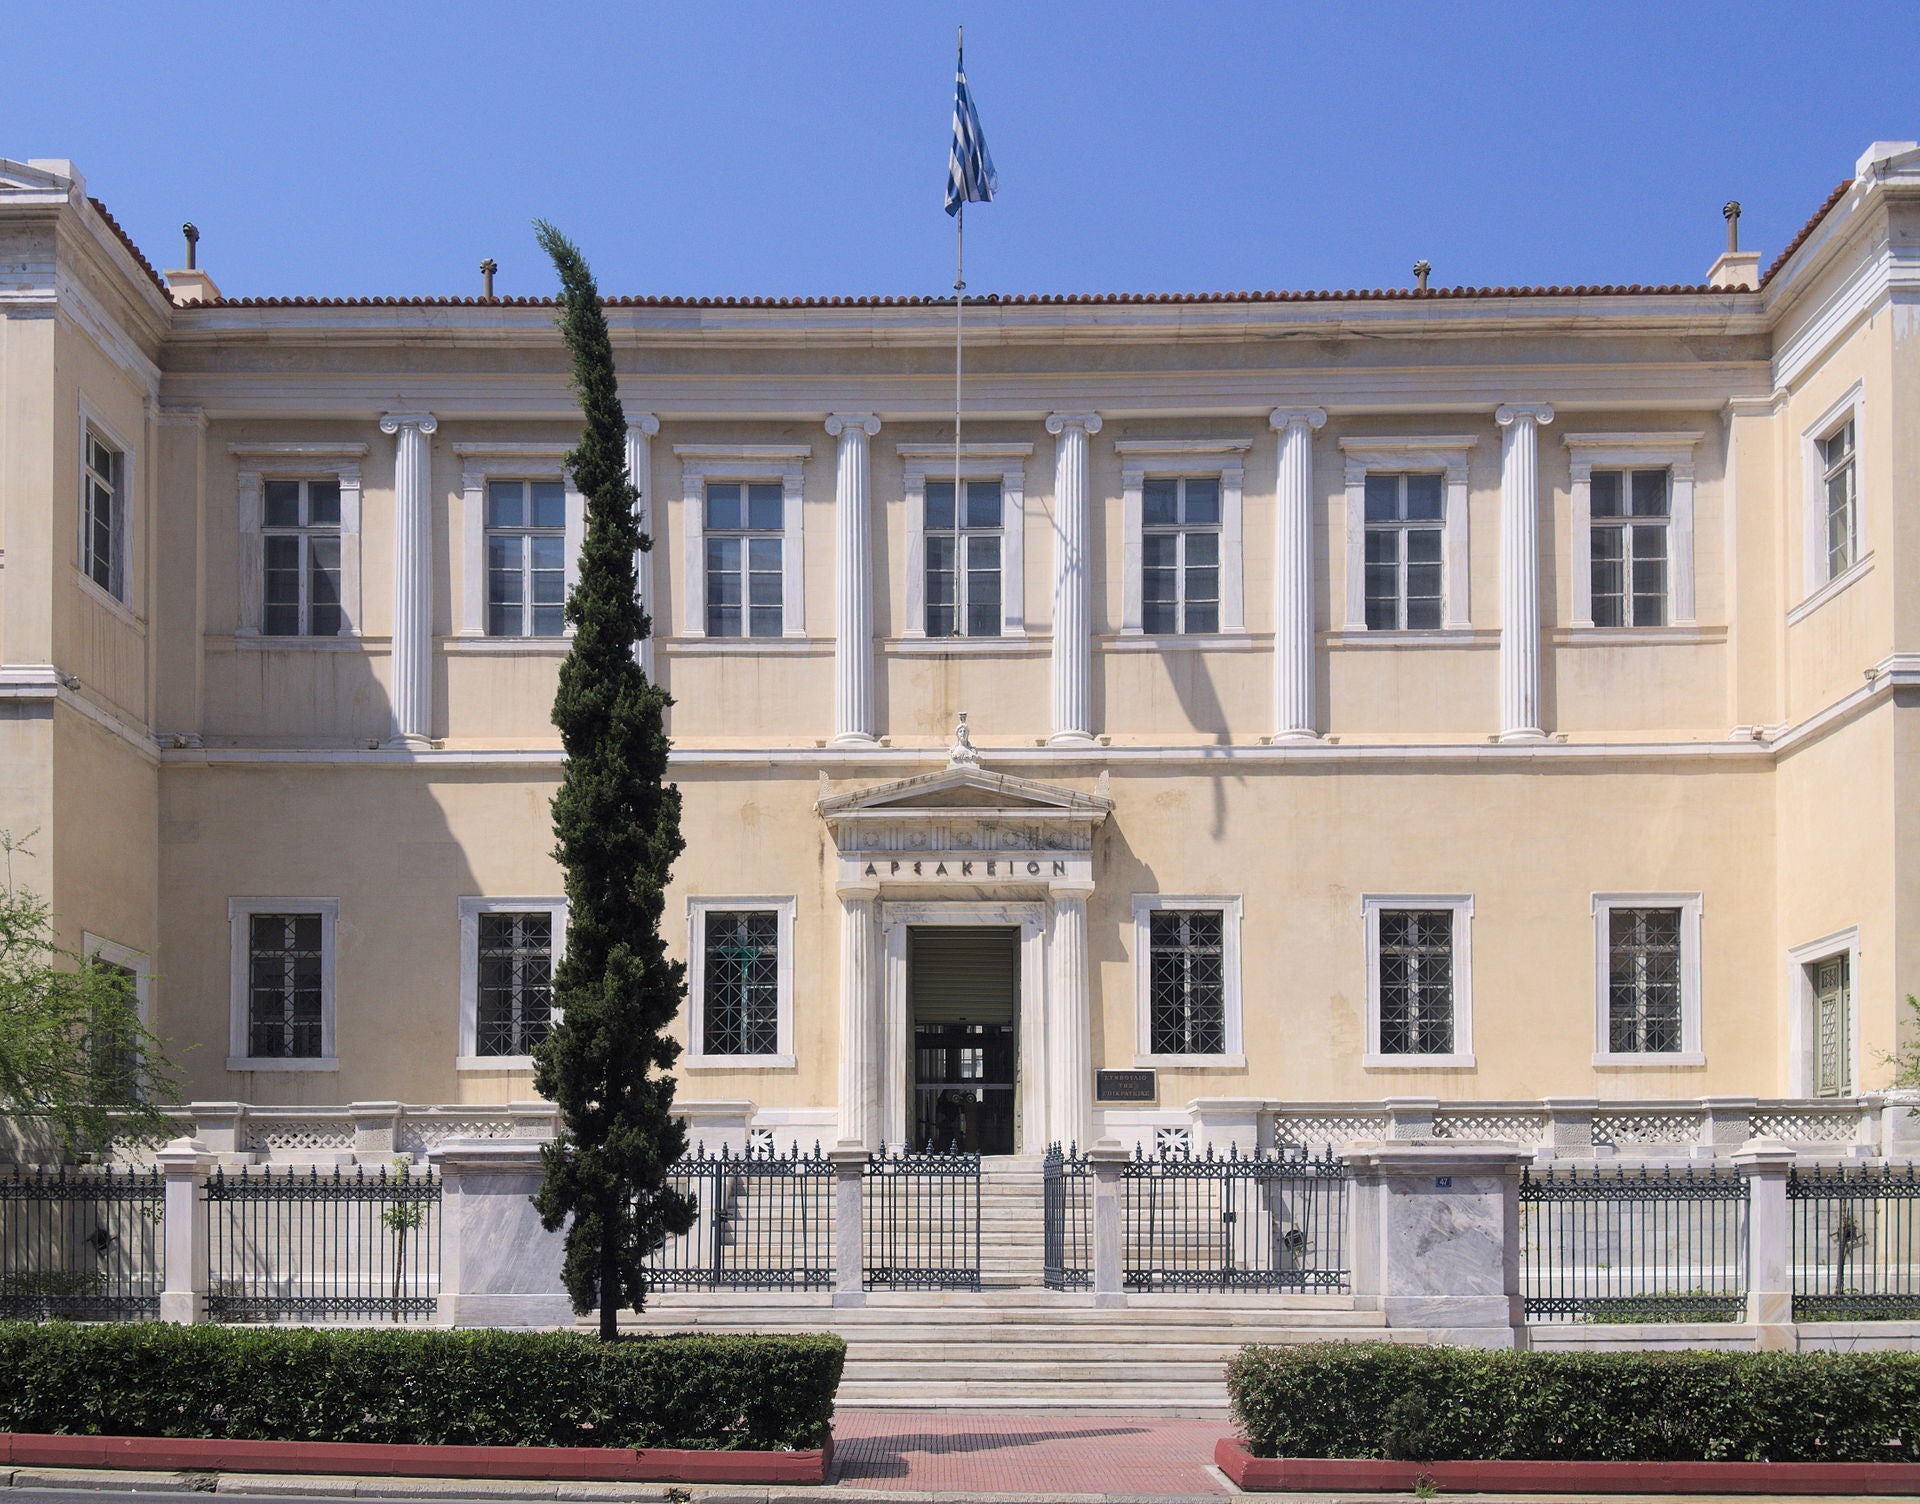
[963,998]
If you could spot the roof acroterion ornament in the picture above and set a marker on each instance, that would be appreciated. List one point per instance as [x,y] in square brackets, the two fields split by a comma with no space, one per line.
[963,753]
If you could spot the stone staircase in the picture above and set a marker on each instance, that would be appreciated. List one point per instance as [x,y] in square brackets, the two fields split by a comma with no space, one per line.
[1013,1349]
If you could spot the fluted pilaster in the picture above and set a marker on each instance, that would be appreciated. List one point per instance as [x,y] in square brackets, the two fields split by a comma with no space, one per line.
[1072,581]
[1293,708]
[853,719]
[641,427]
[412,578]
[1070,1022]
[860,978]
[1520,570]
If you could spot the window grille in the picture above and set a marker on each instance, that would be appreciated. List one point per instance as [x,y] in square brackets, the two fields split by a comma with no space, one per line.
[284,984]
[103,519]
[963,560]
[1180,555]
[515,1008]
[1631,512]
[1832,1028]
[742,983]
[526,558]
[1842,494]
[1188,1008]
[1416,981]
[1405,518]
[300,541]
[745,582]
[112,1057]
[1643,990]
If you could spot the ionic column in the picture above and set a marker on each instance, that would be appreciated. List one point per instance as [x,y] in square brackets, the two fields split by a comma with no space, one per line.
[641,427]
[860,980]
[412,578]
[1520,570]
[1072,582]
[1293,711]
[853,723]
[1070,1021]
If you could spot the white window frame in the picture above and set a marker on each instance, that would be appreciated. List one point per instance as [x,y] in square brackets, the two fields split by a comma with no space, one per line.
[480,463]
[1145,906]
[1672,452]
[696,1058]
[256,465]
[127,494]
[1817,584]
[240,912]
[136,961]
[1446,453]
[1460,905]
[1005,463]
[745,464]
[1184,459]
[471,908]
[1691,1054]
[1801,1035]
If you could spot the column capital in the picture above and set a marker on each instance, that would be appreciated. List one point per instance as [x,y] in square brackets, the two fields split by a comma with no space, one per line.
[647,423]
[837,423]
[1509,413]
[1057,422]
[1289,417]
[394,422]
[854,892]
[1069,888]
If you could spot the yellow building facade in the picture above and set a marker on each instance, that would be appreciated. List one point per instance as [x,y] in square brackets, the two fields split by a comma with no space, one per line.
[1312,714]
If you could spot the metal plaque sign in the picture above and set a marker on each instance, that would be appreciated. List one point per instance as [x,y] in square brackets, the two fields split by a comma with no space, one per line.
[1125,1086]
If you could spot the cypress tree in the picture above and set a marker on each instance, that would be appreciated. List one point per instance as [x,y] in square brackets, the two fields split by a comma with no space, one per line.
[617,821]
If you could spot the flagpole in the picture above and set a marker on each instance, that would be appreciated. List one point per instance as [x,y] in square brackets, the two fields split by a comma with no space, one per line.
[959,305]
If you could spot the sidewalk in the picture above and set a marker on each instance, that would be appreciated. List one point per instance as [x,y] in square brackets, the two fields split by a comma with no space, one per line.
[957,1451]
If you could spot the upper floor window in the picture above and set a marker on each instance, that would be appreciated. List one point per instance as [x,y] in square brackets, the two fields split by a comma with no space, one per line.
[300,542]
[1648,953]
[526,544]
[103,519]
[963,552]
[1840,491]
[1630,514]
[1180,555]
[1419,975]
[1188,961]
[1405,524]
[745,564]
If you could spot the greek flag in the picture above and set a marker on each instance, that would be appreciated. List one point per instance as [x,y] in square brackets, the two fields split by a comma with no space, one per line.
[970,174]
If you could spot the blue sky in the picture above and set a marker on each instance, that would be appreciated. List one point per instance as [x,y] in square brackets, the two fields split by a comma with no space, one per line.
[733,148]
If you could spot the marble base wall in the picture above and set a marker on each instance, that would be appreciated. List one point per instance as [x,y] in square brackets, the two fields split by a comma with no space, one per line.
[498,1265]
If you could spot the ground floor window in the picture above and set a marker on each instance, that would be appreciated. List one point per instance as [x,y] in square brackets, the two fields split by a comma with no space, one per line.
[1419,998]
[1647,955]
[508,950]
[1189,961]
[740,982]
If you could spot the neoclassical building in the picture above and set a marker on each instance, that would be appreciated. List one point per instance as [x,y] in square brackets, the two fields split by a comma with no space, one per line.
[1396,703]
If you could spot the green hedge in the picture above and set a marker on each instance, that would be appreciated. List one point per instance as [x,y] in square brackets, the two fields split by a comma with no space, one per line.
[484,1388]
[1440,1404]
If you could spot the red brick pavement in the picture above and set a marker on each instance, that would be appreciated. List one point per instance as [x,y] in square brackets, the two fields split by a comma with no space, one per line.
[954,1451]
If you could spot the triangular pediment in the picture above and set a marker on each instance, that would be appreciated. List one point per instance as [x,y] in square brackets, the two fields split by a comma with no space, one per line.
[958,790]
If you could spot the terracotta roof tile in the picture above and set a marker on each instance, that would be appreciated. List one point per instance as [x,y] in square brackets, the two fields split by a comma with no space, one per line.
[1805,230]
[132,249]
[1022,300]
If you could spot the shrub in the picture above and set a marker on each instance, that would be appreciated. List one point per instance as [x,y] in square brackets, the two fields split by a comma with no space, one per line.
[1369,1399]
[474,1388]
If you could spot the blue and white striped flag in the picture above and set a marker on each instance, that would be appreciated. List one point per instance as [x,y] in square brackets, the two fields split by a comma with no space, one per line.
[970,175]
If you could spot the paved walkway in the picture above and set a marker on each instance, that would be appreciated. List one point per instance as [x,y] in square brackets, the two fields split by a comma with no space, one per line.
[957,1451]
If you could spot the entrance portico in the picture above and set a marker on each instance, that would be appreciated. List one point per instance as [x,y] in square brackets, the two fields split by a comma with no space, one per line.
[967,847]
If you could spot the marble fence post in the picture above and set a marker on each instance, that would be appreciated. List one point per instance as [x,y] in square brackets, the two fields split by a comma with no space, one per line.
[184,1164]
[498,1265]
[1108,1162]
[1766,1163]
[849,1158]
[1436,1238]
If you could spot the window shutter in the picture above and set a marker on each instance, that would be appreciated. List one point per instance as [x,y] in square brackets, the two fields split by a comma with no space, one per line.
[963,974]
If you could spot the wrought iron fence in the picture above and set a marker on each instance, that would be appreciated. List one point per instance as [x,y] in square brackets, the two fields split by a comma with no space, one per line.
[82,1244]
[763,1221]
[321,1245]
[1067,1248]
[1856,1243]
[1604,1245]
[1243,1222]
[922,1222]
